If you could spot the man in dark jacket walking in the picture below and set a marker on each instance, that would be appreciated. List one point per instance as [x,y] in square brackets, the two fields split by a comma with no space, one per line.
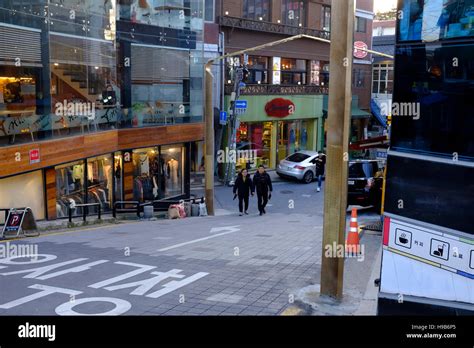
[264,188]
[320,169]
[243,187]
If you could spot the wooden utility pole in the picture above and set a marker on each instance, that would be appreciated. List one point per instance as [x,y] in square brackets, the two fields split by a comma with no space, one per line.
[338,126]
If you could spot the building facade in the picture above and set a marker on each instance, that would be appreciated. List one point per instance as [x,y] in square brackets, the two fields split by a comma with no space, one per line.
[293,76]
[100,101]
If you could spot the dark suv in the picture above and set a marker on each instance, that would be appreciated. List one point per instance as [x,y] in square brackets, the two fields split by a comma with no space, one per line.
[365,184]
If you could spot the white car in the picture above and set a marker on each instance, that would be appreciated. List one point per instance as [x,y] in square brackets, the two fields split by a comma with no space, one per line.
[301,166]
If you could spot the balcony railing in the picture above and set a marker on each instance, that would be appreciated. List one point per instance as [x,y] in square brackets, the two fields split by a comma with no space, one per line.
[279,90]
[269,27]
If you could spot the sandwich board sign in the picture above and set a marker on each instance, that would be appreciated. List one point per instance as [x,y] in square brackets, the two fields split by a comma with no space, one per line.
[19,221]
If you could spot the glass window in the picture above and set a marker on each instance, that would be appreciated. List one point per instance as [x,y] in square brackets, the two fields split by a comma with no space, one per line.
[434,104]
[147,174]
[209,11]
[70,188]
[382,77]
[172,162]
[254,144]
[436,19]
[257,10]
[258,69]
[292,137]
[293,71]
[326,18]
[360,24]
[358,78]
[118,175]
[298,157]
[293,12]
[100,182]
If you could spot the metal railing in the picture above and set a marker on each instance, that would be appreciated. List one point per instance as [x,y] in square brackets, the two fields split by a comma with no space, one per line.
[85,210]
[269,27]
[121,207]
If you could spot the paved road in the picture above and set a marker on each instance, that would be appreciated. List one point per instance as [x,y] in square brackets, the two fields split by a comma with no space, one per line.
[224,265]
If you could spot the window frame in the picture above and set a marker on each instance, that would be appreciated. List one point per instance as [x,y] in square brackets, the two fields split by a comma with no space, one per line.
[358,22]
[382,67]
[324,9]
[301,12]
[256,17]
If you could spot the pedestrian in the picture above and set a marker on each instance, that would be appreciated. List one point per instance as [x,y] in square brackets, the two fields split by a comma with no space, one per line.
[243,188]
[263,185]
[320,168]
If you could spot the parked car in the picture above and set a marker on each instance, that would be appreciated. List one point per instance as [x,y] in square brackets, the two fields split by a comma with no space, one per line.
[365,183]
[301,166]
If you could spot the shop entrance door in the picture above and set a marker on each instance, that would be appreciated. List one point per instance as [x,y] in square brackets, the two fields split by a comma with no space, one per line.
[292,136]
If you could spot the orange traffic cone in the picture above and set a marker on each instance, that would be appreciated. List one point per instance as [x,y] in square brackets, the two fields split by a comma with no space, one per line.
[352,243]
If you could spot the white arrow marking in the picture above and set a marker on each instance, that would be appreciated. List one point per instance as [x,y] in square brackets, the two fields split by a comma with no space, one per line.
[230,229]
[226,228]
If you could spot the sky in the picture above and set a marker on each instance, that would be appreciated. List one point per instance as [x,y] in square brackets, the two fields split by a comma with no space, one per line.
[384,5]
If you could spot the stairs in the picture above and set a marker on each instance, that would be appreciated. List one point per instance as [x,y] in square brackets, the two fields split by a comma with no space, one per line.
[76,79]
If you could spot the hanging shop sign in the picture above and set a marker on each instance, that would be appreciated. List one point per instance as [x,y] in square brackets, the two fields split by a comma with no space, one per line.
[360,49]
[35,156]
[280,108]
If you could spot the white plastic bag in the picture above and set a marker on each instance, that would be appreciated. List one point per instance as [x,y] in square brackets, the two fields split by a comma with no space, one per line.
[202,209]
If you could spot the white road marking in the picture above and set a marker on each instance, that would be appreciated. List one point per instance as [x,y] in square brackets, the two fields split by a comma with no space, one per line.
[232,229]
[227,228]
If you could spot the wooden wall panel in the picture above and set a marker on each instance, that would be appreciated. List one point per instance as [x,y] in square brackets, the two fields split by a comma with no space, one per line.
[58,151]
[128,181]
[50,175]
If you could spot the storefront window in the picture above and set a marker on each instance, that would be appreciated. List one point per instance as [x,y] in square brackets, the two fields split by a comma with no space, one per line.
[148,173]
[293,71]
[118,176]
[100,182]
[70,186]
[254,144]
[172,160]
[292,137]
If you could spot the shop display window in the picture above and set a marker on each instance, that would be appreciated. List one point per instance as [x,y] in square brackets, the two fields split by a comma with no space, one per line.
[70,188]
[254,145]
[292,137]
[118,176]
[293,71]
[172,160]
[148,172]
[100,182]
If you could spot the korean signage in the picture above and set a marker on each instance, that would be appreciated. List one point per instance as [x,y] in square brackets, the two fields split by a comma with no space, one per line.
[35,156]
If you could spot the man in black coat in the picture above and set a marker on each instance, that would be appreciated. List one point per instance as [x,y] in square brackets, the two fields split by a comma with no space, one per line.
[243,187]
[264,188]
[320,169]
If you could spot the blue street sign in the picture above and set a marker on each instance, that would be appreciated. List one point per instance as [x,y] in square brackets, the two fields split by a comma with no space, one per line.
[223,117]
[241,104]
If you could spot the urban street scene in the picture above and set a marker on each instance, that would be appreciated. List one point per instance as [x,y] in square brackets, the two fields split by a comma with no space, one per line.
[237,158]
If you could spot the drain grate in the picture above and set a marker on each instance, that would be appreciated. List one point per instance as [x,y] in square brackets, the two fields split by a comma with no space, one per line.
[378,227]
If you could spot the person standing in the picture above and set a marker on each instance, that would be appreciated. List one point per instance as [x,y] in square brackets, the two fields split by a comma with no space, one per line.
[320,168]
[243,187]
[264,188]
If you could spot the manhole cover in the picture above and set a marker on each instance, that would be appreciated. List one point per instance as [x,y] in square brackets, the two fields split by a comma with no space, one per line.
[286,192]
